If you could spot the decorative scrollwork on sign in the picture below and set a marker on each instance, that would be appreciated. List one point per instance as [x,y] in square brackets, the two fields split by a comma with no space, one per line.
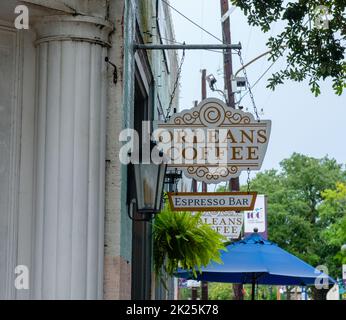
[236,118]
[187,118]
[232,169]
[212,174]
[198,171]
[212,115]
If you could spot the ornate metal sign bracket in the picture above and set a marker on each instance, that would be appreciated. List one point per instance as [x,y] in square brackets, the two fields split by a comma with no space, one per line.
[148,46]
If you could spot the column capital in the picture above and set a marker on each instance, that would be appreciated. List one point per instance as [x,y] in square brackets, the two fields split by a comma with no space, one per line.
[73,28]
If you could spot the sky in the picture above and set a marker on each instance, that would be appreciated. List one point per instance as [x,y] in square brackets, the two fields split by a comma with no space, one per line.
[301,122]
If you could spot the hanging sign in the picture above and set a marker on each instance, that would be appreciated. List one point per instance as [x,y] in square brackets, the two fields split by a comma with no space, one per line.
[212,142]
[228,223]
[182,283]
[256,218]
[193,284]
[212,201]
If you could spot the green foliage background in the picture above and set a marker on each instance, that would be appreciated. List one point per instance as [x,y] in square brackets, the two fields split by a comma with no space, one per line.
[306,214]
[311,51]
[306,208]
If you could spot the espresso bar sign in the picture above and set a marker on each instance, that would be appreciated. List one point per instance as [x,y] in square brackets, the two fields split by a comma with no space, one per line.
[212,201]
[212,142]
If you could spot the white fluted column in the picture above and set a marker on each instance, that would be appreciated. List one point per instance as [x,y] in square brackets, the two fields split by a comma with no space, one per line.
[70,157]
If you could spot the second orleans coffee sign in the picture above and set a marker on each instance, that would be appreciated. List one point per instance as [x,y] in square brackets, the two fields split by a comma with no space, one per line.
[212,142]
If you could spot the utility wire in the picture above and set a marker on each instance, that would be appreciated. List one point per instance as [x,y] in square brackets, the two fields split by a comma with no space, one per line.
[191,21]
[265,72]
[248,85]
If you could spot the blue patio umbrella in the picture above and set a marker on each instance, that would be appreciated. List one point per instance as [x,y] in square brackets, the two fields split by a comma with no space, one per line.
[258,261]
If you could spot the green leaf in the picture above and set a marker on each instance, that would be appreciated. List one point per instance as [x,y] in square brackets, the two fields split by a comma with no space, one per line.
[311,52]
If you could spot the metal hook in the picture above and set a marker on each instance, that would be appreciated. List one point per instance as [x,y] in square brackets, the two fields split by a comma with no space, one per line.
[248,180]
[115,72]
[130,212]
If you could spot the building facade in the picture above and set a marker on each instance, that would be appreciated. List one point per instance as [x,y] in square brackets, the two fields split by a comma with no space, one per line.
[64,195]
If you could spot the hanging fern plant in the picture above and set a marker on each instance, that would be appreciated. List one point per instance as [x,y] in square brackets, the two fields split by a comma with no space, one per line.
[182,240]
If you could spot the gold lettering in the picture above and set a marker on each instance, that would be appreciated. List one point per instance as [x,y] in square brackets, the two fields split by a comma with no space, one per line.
[231,137]
[194,153]
[220,152]
[249,137]
[252,151]
[226,229]
[218,229]
[205,152]
[222,221]
[236,153]
[262,134]
[163,135]
[174,153]
[180,136]
[213,136]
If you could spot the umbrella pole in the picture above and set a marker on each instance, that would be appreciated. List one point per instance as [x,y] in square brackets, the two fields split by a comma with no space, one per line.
[253,287]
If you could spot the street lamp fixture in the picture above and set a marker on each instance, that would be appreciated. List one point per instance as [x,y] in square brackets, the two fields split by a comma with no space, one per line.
[172,178]
[149,186]
[211,81]
[212,85]
[149,180]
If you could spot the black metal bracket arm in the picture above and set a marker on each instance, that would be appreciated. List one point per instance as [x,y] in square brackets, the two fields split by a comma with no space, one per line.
[147,217]
[115,71]
[172,177]
[147,46]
